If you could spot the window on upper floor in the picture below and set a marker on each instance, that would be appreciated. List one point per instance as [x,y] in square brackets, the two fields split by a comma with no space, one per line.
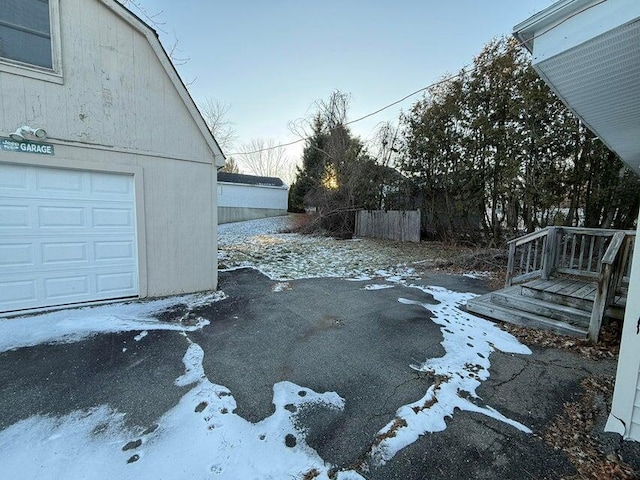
[25,32]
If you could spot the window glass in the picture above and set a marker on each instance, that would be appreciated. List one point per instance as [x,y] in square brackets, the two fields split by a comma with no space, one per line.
[25,32]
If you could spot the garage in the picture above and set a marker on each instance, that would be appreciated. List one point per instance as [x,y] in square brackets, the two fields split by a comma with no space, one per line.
[66,236]
[107,168]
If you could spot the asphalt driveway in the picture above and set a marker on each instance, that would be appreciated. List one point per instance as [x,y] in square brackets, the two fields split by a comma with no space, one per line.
[354,338]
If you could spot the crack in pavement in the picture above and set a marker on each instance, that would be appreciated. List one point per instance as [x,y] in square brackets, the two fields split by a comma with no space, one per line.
[416,377]
[531,361]
[513,377]
[493,429]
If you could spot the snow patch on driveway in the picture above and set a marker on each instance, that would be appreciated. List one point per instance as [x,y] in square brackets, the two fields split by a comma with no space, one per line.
[468,343]
[376,286]
[141,335]
[281,287]
[73,325]
[193,370]
[199,438]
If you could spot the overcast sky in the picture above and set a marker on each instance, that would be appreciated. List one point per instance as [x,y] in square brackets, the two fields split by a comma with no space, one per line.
[270,60]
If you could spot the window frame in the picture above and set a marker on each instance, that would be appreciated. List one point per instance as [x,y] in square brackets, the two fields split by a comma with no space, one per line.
[53,74]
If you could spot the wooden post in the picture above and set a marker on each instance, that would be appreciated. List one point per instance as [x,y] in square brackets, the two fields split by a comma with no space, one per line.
[510,264]
[356,230]
[610,263]
[549,254]
[600,302]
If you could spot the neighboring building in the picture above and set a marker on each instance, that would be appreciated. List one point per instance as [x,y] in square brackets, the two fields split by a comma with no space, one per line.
[247,197]
[588,51]
[117,198]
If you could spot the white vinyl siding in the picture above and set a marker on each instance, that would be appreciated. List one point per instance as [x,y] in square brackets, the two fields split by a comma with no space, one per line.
[634,429]
[66,236]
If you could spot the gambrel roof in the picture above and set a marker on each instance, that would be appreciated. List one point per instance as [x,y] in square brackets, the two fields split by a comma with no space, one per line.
[154,41]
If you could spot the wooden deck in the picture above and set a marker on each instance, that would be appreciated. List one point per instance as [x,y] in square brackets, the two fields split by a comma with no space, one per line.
[564,279]
[572,292]
[562,305]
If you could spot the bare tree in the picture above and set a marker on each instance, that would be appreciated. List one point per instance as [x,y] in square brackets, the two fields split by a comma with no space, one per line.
[215,113]
[263,157]
[387,143]
[154,20]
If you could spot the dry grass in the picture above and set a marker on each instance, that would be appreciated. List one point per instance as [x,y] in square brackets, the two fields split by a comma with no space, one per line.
[299,223]
[398,423]
[480,260]
[440,379]
[311,474]
[427,405]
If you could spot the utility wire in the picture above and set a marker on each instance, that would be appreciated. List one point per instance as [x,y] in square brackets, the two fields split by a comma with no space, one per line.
[359,119]
[447,79]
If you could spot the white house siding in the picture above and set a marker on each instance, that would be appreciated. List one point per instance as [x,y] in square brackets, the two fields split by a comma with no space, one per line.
[118,109]
[625,410]
[238,201]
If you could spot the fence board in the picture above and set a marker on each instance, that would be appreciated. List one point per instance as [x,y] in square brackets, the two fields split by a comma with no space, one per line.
[401,225]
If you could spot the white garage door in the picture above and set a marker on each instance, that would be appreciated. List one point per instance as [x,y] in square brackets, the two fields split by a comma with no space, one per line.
[66,236]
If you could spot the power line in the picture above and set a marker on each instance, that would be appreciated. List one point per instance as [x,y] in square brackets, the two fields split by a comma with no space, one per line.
[350,122]
[447,79]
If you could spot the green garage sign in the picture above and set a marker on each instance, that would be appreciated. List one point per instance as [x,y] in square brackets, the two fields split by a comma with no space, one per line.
[9,145]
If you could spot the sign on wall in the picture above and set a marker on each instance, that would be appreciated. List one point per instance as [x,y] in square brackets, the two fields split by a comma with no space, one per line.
[9,145]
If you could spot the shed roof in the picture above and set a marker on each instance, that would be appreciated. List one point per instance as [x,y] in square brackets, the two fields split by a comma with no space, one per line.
[250,179]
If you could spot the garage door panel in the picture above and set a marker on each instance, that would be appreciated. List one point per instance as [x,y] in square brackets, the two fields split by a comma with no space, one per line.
[15,216]
[110,184]
[64,252]
[61,217]
[106,251]
[67,288]
[65,237]
[14,178]
[115,282]
[59,181]
[112,217]
[17,255]
[18,293]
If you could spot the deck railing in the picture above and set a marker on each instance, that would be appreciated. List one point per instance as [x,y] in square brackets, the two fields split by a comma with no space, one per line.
[529,256]
[601,255]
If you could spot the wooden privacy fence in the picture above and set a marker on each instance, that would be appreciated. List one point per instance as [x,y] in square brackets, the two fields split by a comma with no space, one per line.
[401,225]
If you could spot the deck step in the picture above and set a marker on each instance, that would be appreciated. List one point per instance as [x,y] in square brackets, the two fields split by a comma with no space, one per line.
[585,305]
[557,298]
[512,298]
[484,305]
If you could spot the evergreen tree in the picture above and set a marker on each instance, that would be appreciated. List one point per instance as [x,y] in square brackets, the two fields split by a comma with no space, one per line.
[337,176]
[495,148]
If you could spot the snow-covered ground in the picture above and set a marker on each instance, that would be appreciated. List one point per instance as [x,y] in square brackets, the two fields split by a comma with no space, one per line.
[201,436]
[73,325]
[288,256]
[468,343]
